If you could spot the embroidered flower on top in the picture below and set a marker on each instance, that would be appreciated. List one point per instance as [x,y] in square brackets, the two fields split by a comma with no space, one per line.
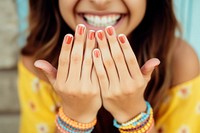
[184,92]
[32,106]
[184,129]
[35,85]
[42,128]
[198,108]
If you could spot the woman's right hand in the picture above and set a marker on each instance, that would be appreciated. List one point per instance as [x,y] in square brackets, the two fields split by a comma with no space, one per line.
[75,80]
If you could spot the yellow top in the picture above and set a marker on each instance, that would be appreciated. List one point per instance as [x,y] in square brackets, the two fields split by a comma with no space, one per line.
[180,113]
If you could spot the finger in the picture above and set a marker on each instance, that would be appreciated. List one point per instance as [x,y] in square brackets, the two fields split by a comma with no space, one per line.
[94,79]
[63,63]
[100,70]
[149,67]
[130,57]
[49,71]
[106,57]
[87,61]
[77,53]
[117,53]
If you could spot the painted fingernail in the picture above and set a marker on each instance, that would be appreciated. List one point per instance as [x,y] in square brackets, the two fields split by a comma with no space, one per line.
[91,34]
[110,30]
[122,38]
[100,35]
[68,39]
[81,29]
[96,53]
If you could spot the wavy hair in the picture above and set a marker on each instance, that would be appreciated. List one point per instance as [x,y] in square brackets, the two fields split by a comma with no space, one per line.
[154,37]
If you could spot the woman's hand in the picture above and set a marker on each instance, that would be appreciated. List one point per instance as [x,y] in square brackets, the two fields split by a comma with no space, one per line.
[122,82]
[75,81]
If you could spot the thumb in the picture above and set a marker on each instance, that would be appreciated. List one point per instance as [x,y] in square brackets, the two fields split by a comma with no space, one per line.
[49,71]
[148,68]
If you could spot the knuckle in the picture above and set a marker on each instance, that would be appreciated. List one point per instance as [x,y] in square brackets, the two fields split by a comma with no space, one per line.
[63,62]
[131,61]
[76,58]
[109,63]
[58,86]
[118,57]
[141,84]
[101,76]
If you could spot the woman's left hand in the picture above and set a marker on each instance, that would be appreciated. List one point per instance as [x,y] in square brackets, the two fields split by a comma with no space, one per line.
[121,79]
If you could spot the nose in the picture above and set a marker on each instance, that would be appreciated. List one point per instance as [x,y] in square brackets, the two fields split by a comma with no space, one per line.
[100,3]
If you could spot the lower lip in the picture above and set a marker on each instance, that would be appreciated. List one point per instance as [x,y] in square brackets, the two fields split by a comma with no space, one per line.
[100,28]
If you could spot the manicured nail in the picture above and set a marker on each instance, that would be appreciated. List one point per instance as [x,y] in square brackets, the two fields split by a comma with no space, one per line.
[91,34]
[68,39]
[121,38]
[100,35]
[81,29]
[96,53]
[110,30]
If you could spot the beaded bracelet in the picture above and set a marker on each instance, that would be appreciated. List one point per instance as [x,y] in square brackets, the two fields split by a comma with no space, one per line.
[75,124]
[139,124]
[145,127]
[67,125]
[65,128]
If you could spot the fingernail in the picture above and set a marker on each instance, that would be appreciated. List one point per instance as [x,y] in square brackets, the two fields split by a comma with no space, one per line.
[96,53]
[91,34]
[81,29]
[68,39]
[110,30]
[100,35]
[121,38]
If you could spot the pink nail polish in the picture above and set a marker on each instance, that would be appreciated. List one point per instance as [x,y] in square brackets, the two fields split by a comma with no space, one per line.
[91,34]
[122,38]
[110,30]
[81,29]
[96,53]
[100,35]
[68,39]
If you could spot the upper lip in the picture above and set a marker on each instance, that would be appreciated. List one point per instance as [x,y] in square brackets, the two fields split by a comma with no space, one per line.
[100,13]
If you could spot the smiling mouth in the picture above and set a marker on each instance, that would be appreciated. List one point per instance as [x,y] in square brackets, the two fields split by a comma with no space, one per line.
[100,21]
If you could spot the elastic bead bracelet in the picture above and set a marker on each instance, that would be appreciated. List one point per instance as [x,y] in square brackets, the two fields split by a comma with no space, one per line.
[142,129]
[143,125]
[139,124]
[75,124]
[69,129]
[142,116]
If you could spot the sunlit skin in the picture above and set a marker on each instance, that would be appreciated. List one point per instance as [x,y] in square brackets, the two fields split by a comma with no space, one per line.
[97,65]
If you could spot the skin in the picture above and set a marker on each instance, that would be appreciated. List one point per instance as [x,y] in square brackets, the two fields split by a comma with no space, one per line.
[89,76]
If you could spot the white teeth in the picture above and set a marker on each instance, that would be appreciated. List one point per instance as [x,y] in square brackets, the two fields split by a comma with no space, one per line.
[101,21]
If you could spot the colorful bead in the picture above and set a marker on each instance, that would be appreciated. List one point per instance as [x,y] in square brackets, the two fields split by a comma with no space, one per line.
[142,123]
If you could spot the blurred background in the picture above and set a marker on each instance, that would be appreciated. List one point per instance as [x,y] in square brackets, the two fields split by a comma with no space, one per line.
[12,37]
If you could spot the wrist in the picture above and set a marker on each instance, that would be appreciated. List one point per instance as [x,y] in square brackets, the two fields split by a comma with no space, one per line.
[79,117]
[143,122]
[130,113]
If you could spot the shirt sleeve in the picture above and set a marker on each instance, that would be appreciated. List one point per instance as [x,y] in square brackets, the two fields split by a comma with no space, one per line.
[180,112]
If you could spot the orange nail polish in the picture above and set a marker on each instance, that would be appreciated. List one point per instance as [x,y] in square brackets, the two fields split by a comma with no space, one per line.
[100,35]
[68,39]
[81,29]
[96,53]
[122,38]
[91,34]
[110,30]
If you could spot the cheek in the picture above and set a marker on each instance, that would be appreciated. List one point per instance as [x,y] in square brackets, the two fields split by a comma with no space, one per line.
[137,11]
[67,8]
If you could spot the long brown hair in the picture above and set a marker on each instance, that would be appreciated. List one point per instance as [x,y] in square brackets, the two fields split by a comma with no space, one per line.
[152,38]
